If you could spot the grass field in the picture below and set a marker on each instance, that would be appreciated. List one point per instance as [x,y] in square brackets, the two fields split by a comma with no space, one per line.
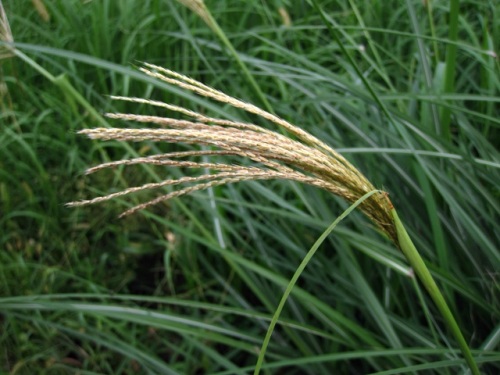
[407,91]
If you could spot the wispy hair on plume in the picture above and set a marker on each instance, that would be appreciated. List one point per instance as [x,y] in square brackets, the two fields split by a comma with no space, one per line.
[300,157]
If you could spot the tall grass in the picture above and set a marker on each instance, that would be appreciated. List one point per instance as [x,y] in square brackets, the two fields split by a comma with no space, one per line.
[191,286]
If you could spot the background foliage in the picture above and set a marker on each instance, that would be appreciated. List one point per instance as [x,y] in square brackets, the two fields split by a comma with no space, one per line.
[189,287]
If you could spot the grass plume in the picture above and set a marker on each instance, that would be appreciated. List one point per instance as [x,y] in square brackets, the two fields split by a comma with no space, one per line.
[300,157]
[304,159]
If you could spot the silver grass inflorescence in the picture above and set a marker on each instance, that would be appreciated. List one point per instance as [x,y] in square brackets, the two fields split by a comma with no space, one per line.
[303,159]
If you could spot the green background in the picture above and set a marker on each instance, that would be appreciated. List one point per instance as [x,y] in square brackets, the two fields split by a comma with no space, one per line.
[189,286]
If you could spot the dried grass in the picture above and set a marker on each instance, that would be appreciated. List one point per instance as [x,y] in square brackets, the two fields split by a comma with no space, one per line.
[5,34]
[303,158]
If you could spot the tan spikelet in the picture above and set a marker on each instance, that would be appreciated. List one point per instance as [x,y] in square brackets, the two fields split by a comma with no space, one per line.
[5,34]
[198,7]
[303,158]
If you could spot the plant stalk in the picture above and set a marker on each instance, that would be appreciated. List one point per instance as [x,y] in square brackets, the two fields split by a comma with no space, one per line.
[423,273]
[451,61]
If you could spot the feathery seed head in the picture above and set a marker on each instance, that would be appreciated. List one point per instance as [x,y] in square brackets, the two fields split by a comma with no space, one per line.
[198,7]
[5,34]
[304,159]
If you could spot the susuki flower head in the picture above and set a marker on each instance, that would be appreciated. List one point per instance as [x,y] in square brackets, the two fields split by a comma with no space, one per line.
[300,157]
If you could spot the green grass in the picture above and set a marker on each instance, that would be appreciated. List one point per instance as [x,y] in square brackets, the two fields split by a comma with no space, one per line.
[192,286]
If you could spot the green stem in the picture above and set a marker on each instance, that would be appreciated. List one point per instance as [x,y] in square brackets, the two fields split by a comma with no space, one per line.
[202,10]
[62,82]
[222,36]
[432,27]
[451,58]
[416,261]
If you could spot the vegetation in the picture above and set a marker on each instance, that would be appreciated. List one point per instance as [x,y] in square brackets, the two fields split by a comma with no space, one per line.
[406,91]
